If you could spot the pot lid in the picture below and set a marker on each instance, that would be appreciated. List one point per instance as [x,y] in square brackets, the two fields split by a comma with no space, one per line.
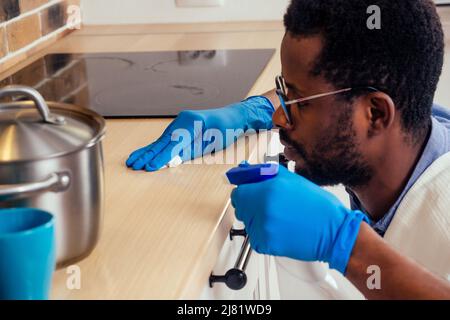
[35,130]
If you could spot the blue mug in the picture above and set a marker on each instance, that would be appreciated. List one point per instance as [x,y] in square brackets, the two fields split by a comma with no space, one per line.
[27,254]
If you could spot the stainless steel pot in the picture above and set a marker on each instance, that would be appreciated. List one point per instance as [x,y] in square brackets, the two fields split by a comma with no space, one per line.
[51,158]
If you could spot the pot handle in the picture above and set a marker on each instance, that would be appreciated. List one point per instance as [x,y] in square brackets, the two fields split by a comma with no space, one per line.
[36,97]
[56,182]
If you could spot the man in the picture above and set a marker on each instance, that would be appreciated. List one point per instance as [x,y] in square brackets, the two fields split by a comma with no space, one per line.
[356,108]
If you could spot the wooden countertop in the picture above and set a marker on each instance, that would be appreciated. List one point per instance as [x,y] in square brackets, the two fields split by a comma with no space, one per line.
[162,232]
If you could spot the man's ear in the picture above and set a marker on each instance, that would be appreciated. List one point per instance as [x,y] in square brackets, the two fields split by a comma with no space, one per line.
[380,112]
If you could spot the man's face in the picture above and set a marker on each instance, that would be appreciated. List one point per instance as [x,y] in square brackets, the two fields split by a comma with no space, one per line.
[322,138]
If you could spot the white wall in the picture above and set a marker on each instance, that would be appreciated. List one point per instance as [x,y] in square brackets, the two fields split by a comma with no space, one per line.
[443,94]
[165,11]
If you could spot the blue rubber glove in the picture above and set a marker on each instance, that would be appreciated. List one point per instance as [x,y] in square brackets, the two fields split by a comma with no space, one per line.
[253,113]
[292,217]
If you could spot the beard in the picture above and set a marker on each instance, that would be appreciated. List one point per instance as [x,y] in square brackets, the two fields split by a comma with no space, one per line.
[335,159]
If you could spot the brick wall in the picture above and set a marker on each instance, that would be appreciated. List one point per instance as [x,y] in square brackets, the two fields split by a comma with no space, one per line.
[28,25]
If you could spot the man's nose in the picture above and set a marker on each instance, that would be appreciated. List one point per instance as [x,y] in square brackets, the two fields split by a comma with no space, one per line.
[280,120]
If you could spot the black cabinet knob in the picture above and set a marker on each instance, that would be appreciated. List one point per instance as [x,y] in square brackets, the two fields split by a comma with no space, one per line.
[235,279]
[237,233]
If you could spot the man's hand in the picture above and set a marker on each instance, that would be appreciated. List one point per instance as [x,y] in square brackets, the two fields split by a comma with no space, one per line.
[290,216]
[191,135]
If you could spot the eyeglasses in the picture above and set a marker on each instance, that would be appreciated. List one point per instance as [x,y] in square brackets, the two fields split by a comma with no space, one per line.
[284,100]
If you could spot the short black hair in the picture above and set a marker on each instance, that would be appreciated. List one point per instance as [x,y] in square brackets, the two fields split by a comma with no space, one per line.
[403,59]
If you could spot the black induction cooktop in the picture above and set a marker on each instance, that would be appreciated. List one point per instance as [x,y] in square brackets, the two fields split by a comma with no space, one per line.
[146,84]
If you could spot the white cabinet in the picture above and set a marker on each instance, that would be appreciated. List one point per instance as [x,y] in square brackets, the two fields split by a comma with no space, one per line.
[299,280]
[260,271]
